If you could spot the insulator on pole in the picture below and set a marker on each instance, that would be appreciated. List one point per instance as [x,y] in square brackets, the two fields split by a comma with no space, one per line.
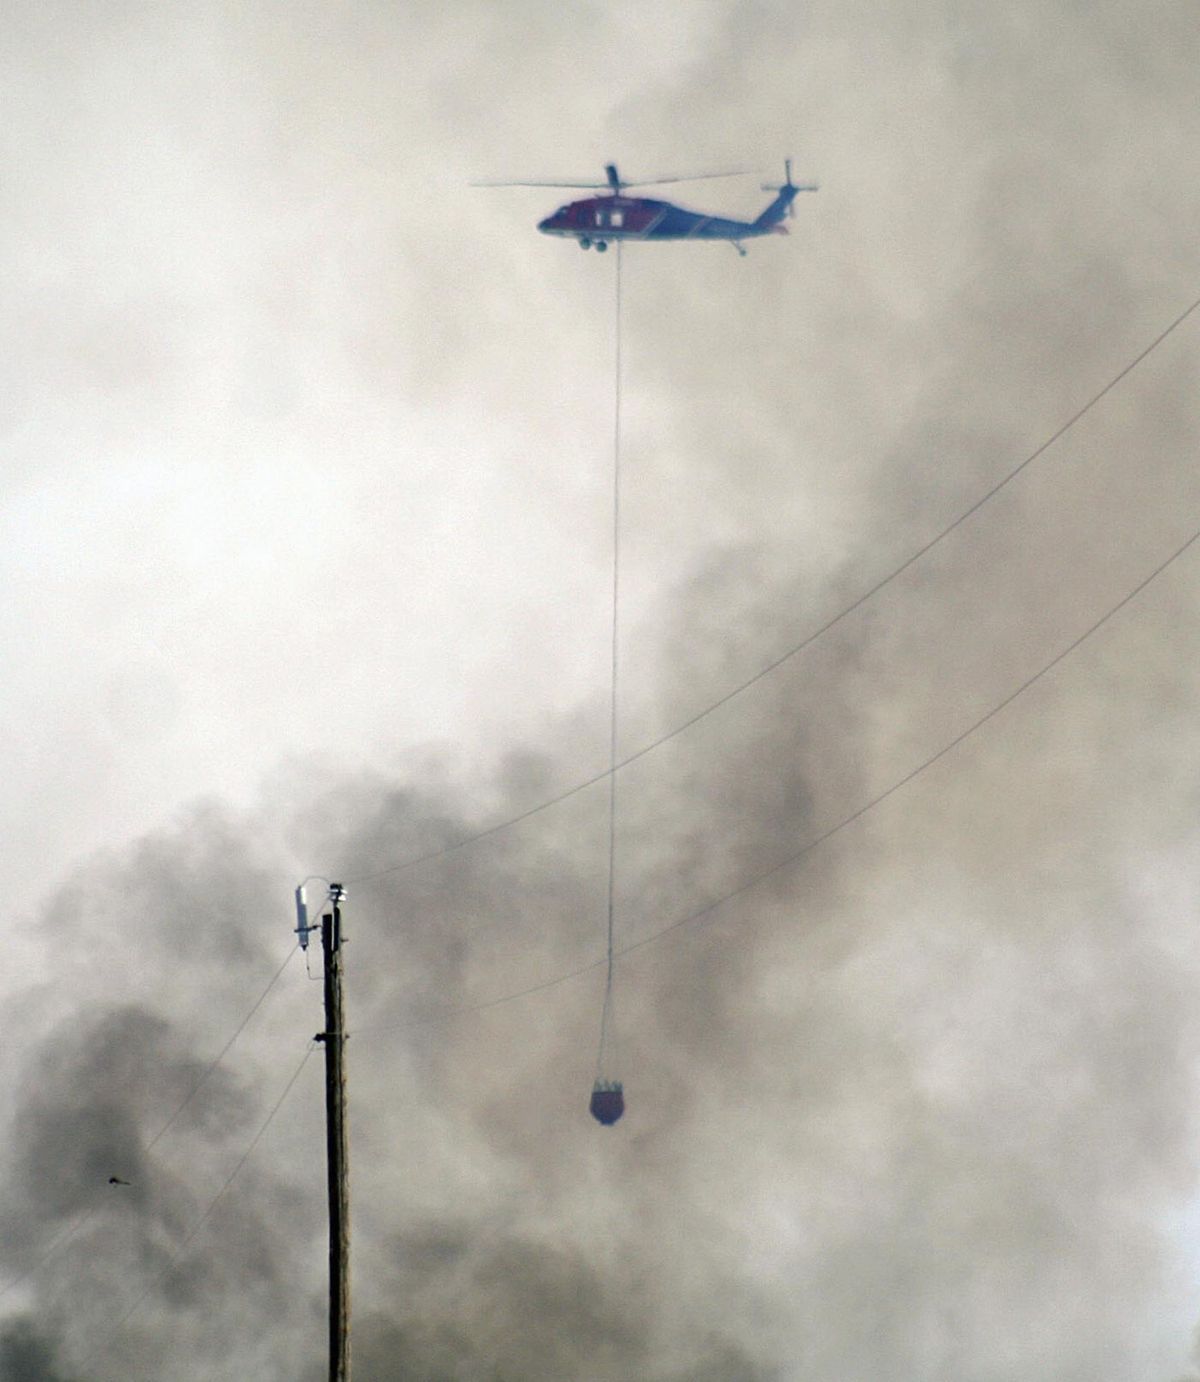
[302,926]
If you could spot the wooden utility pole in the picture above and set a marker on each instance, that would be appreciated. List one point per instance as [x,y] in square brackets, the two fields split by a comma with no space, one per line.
[336,1141]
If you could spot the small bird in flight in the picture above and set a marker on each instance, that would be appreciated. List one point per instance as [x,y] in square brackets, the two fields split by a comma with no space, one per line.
[116,1180]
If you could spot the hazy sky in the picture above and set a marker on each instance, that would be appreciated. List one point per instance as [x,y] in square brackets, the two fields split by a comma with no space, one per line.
[306,524]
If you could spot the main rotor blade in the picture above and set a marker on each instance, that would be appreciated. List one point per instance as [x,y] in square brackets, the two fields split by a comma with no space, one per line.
[615,182]
[592,184]
[691,177]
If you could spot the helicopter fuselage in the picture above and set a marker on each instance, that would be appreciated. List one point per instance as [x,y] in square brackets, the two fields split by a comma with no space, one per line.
[597,220]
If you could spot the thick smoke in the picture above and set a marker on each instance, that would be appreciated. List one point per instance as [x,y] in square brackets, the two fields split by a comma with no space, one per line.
[120,1131]
[865,1138]
[919,1102]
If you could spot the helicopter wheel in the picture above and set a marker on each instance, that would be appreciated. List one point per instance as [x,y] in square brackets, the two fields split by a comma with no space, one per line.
[601,246]
[584,242]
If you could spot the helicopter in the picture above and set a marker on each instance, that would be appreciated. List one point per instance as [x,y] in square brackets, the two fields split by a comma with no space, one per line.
[596,221]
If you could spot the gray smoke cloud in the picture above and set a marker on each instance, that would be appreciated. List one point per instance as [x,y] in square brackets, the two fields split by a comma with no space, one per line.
[320,438]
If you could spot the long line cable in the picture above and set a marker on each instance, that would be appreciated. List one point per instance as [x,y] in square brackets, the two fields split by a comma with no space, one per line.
[845,821]
[810,638]
[606,1011]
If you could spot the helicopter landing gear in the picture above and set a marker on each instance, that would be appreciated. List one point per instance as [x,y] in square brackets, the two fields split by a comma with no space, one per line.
[601,246]
[584,242]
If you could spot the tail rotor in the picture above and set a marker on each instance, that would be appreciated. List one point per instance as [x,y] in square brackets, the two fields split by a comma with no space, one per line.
[787,185]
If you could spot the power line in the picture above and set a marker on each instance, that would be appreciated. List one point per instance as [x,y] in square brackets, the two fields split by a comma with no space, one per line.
[60,1240]
[84,1216]
[826,835]
[223,1052]
[707,910]
[175,1257]
[809,639]
[933,758]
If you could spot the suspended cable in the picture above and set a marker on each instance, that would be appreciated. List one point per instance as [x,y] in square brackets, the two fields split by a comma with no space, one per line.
[805,642]
[613,953]
[927,763]
[607,1091]
[173,1261]
[826,835]
[60,1240]
[81,1219]
[223,1052]
[656,936]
